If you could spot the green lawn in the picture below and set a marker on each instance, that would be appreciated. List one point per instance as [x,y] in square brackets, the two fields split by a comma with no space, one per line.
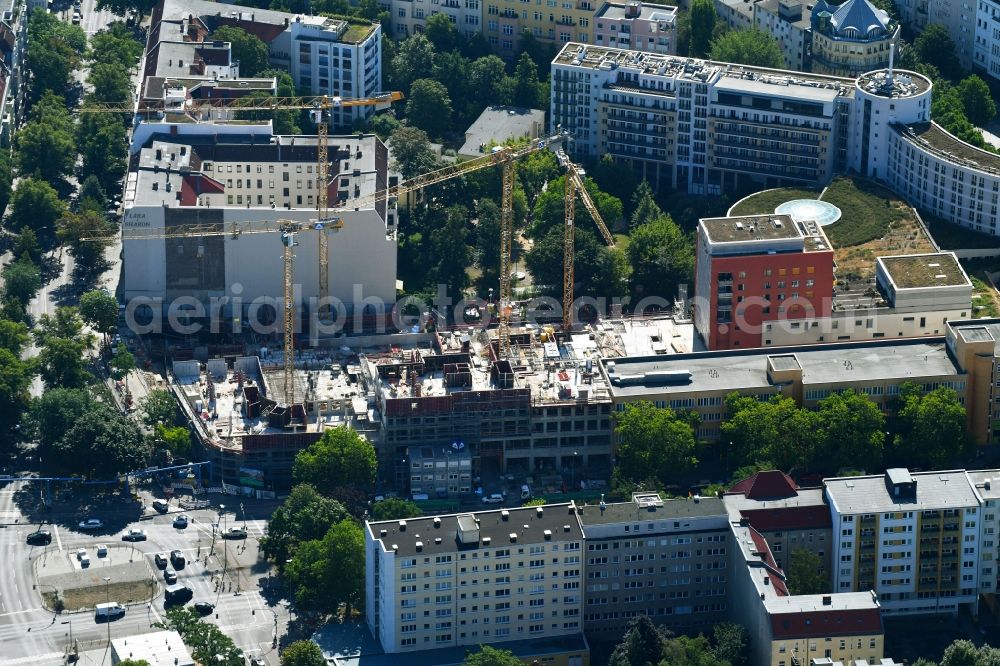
[765,202]
[953,237]
[867,211]
[983,304]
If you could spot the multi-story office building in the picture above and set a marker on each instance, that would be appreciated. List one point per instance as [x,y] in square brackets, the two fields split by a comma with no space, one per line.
[223,180]
[474,578]
[408,17]
[785,21]
[851,38]
[701,126]
[913,538]
[637,25]
[788,517]
[663,558]
[755,269]
[325,56]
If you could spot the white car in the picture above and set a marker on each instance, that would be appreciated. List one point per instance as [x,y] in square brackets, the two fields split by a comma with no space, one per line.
[90,524]
[495,498]
[181,521]
[81,553]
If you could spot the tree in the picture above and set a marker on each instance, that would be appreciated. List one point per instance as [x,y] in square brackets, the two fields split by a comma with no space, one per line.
[21,279]
[325,574]
[599,270]
[490,656]
[176,439]
[6,179]
[15,379]
[488,240]
[115,44]
[159,407]
[53,413]
[122,363]
[452,70]
[535,170]
[207,642]
[853,430]
[13,336]
[411,152]
[102,138]
[414,60]
[451,252]
[931,429]
[805,573]
[91,195]
[103,444]
[35,205]
[100,311]
[305,515]
[45,146]
[441,32]
[487,77]
[526,86]
[643,643]
[341,457]
[550,206]
[975,95]
[750,46]
[934,46]
[27,245]
[429,107]
[123,7]
[249,49]
[702,21]
[53,54]
[133,662]
[731,643]
[654,443]
[960,653]
[775,430]
[394,508]
[62,344]
[304,652]
[110,82]
[661,256]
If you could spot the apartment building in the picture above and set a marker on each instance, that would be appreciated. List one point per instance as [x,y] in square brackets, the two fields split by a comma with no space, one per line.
[961,19]
[790,26]
[663,558]
[790,518]
[474,578]
[984,483]
[851,38]
[217,179]
[13,42]
[755,269]
[737,14]
[325,56]
[986,50]
[637,25]
[787,629]
[408,17]
[702,126]
[914,538]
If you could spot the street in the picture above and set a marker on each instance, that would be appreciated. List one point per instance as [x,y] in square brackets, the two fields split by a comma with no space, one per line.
[229,576]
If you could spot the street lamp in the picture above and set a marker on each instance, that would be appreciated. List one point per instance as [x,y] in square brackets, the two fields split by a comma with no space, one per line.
[69,644]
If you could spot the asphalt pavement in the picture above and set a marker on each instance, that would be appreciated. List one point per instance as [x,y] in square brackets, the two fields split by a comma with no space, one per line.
[228,574]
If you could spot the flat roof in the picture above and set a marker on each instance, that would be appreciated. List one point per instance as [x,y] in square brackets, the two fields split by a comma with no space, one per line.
[870,494]
[976,334]
[158,648]
[983,477]
[647,12]
[840,364]
[750,228]
[500,123]
[765,86]
[785,362]
[526,523]
[934,138]
[919,271]
[626,512]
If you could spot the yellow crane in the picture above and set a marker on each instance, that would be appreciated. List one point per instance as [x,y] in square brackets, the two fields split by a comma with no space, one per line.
[574,185]
[319,107]
[288,230]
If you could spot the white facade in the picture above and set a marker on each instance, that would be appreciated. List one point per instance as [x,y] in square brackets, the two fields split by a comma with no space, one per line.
[986,51]
[881,101]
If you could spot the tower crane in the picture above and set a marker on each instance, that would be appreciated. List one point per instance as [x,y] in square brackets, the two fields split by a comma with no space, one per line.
[319,107]
[288,229]
[574,186]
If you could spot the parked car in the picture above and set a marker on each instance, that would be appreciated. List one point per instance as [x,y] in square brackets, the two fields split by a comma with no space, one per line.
[134,535]
[495,498]
[80,552]
[39,538]
[177,558]
[90,524]
[235,533]
[84,561]
[177,594]
[109,611]
[181,521]
[203,607]
[161,561]
[102,550]
[170,576]
[161,505]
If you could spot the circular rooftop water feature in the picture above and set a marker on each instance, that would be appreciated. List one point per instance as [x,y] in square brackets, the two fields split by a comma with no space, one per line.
[822,213]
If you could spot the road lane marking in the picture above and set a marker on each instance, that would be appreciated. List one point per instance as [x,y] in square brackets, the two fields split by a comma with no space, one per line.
[19,612]
[33,659]
[55,529]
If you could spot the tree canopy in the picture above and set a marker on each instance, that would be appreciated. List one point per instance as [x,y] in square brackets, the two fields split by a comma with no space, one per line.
[429,107]
[394,508]
[100,311]
[326,573]
[158,407]
[340,458]
[491,656]
[207,642]
[249,49]
[702,18]
[411,152]
[929,428]
[305,515]
[36,206]
[805,573]
[654,443]
[304,652]
[749,46]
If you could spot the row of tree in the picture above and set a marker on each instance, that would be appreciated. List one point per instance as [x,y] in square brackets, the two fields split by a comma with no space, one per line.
[847,431]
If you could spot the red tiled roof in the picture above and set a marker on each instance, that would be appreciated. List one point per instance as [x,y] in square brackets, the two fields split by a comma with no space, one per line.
[774,572]
[766,485]
[820,623]
[789,518]
[195,184]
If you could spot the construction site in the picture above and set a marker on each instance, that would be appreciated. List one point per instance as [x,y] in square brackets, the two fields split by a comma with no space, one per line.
[544,409]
